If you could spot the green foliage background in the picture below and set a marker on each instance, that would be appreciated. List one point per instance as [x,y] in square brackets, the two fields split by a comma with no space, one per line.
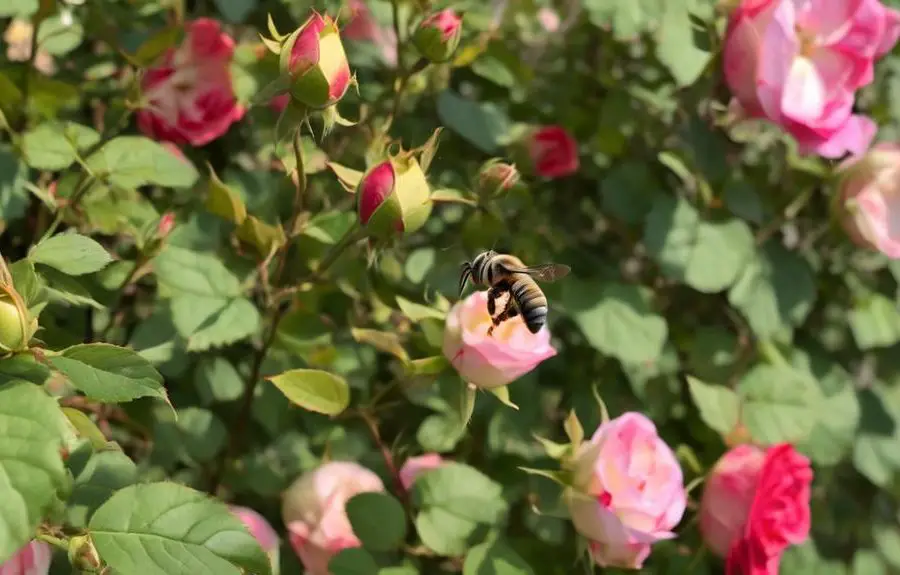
[709,287]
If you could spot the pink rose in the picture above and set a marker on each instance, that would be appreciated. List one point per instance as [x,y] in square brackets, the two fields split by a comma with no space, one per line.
[869,196]
[261,531]
[548,19]
[33,559]
[798,63]
[755,504]
[364,27]
[314,511]
[552,152]
[190,96]
[314,58]
[628,491]
[496,360]
[415,466]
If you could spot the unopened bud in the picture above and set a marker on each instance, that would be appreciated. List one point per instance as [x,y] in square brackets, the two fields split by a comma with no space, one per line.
[496,177]
[314,59]
[12,328]
[394,196]
[165,225]
[438,35]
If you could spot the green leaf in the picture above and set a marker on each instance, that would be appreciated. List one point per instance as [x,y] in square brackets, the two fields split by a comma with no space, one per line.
[875,322]
[201,433]
[875,453]
[109,373]
[72,254]
[868,562]
[778,404]
[134,161]
[223,201]
[13,180]
[416,312]
[208,322]
[719,406]
[352,561]
[197,273]
[53,146]
[494,558]
[887,540]
[428,365]
[22,8]
[217,380]
[706,256]
[235,11]
[483,125]
[103,474]
[387,342]
[314,390]
[775,291]
[621,323]
[85,427]
[675,45]
[378,520]
[159,528]
[31,468]
[58,37]
[23,366]
[65,289]
[453,501]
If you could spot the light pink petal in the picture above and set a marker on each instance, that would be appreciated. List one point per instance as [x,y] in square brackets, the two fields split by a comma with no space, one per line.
[780,46]
[828,20]
[890,33]
[803,98]
[854,137]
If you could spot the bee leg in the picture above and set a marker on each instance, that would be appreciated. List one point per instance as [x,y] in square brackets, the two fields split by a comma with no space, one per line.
[509,310]
[492,296]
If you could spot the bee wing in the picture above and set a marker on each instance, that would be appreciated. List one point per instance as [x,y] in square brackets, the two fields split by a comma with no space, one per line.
[543,272]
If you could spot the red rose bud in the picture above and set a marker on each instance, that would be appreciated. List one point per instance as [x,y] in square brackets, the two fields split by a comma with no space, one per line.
[314,59]
[548,151]
[393,196]
[496,177]
[437,36]
[165,225]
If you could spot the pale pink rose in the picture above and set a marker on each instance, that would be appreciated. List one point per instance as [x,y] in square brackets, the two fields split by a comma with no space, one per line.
[189,96]
[314,511]
[33,559]
[261,531]
[548,19]
[415,466]
[798,63]
[363,27]
[496,360]
[628,491]
[870,199]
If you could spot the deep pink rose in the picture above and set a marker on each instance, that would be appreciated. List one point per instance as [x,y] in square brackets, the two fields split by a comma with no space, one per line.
[415,466]
[628,491]
[314,511]
[189,96]
[869,200]
[317,62]
[755,504]
[553,152]
[261,531]
[798,63]
[496,360]
[32,559]
[393,196]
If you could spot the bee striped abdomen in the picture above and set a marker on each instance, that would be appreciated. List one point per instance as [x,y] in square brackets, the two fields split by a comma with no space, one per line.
[530,300]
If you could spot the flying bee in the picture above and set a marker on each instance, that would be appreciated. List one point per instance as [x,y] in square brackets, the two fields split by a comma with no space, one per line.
[506,274]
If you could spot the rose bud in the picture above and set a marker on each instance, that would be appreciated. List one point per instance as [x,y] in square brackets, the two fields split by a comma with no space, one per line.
[627,493]
[190,98]
[496,360]
[314,511]
[314,58]
[755,504]
[438,35]
[261,531]
[393,196]
[867,194]
[416,466]
[496,177]
[548,151]
[32,559]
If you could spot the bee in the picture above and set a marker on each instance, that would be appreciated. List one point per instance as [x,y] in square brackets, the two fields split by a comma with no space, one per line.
[506,274]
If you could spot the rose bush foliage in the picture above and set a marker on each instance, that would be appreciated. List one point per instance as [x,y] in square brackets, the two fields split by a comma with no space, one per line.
[231,333]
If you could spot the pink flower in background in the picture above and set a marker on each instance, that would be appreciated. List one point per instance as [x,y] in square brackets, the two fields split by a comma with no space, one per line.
[870,199]
[496,360]
[552,151]
[279,103]
[315,515]
[261,531]
[548,19]
[628,491]
[363,27]
[798,63]
[189,96]
[437,37]
[415,466]
[33,559]
[755,504]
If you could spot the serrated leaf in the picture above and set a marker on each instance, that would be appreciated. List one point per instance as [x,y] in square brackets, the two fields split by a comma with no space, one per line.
[875,322]
[158,528]
[109,373]
[778,404]
[719,406]
[207,322]
[484,125]
[378,519]
[314,390]
[195,273]
[54,146]
[31,468]
[72,254]
[495,558]
[102,475]
[675,45]
[134,161]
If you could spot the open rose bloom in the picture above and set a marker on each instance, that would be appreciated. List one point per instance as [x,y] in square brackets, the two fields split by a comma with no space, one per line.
[496,360]
[755,504]
[628,491]
[869,199]
[33,559]
[189,97]
[314,511]
[551,152]
[798,63]
[261,531]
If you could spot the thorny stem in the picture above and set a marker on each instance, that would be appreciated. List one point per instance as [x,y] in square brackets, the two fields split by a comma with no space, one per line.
[388,457]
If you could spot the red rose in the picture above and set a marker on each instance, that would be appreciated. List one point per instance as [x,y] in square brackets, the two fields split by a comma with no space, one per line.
[189,96]
[553,152]
[756,504]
